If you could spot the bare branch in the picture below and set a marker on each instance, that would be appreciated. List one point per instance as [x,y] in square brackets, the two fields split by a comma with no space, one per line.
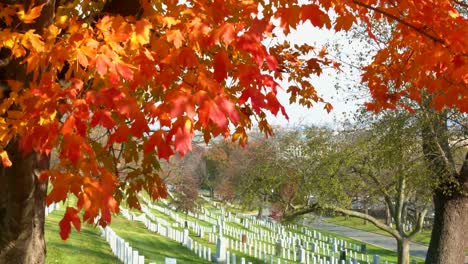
[348,212]
[383,12]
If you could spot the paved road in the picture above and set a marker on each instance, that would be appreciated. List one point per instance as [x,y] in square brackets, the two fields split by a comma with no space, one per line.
[417,250]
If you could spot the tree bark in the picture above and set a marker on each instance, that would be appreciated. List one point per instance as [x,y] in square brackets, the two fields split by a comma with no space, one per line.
[388,216]
[366,211]
[22,208]
[22,199]
[403,251]
[449,236]
[211,192]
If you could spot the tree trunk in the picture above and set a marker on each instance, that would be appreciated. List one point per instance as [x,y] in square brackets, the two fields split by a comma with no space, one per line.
[366,211]
[388,216]
[260,210]
[22,209]
[22,196]
[403,251]
[449,236]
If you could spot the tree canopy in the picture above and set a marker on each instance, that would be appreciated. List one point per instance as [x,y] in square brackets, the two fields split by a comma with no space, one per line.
[151,73]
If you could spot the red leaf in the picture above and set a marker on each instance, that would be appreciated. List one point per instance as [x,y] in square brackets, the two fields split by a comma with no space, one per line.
[289,17]
[228,107]
[71,215]
[183,137]
[216,115]
[221,63]
[139,126]
[316,16]
[157,140]
[103,118]
[120,135]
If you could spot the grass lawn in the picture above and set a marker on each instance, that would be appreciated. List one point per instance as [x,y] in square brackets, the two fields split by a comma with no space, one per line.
[84,247]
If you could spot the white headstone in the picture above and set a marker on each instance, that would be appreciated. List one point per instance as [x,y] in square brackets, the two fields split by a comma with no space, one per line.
[185,237]
[301,257]
[376,259]
[221,250]
[170,261]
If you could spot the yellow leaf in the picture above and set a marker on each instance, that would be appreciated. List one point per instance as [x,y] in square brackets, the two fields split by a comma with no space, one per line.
[31,15]
[6,162]
[47,119]
[453,13]
[33,41]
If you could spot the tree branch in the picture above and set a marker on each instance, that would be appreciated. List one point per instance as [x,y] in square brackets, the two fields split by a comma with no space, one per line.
[460,3]
[419,224]
[348,212]
[383,12]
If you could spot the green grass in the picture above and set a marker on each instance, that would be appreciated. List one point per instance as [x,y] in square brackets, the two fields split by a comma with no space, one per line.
[84,247]
[154,247]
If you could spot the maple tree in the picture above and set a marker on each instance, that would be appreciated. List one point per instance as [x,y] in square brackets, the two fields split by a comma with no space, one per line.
[151,73]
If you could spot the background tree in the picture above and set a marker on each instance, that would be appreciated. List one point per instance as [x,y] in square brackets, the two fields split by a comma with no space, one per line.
[382,161]
[180,175]
[259,176]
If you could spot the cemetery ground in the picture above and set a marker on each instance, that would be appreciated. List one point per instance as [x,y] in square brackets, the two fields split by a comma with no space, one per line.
[158,233]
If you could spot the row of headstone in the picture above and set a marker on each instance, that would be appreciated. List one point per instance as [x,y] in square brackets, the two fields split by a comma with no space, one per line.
[178,221]
[121,249]
[183,237]
[52,207]
[294,246]
[202,251]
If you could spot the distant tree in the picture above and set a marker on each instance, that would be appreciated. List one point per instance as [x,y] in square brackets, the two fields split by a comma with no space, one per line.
[380,162]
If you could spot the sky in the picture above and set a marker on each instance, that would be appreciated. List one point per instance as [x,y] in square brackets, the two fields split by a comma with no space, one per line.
[343,103]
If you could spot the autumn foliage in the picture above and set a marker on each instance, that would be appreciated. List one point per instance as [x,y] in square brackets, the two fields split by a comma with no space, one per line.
[149,80]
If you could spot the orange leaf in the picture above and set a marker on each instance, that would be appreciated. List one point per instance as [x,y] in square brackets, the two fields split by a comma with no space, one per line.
[344,22]
[124,71]
[69,125]
[142,31]
[82,59]
[328,107]
[31,15]
[6,162]
[175,37]
[316,16]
